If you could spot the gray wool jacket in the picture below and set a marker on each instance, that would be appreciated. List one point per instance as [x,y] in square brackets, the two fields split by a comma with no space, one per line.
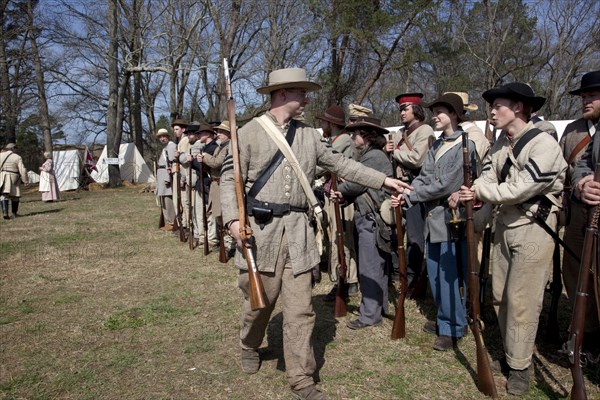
[441,175]
[361,195]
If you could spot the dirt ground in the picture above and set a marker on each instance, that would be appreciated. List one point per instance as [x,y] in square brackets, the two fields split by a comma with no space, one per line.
[97,303]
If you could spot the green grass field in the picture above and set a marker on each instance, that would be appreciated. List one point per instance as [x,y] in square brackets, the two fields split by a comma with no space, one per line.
[97,303]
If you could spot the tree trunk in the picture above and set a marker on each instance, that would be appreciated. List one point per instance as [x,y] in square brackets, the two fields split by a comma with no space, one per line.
[113,132]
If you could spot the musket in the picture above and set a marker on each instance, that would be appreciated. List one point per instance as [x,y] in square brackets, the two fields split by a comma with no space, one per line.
[342,283]
[485,379]
[257,291]
[204,219]
[161,220]
[399,327]
[588,260]
[178,214]
[192,206]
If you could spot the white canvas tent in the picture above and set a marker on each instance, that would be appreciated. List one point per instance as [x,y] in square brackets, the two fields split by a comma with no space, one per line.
[132,166]
[67,167]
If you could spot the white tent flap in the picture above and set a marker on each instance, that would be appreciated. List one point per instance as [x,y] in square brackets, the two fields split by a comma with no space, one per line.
[132,166]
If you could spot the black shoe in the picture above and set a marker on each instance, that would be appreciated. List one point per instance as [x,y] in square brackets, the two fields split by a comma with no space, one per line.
[358,324]
[430,327]
[518,382]
[444,343]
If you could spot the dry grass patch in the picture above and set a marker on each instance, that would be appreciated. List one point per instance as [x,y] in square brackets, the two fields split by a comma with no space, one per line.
[97,303]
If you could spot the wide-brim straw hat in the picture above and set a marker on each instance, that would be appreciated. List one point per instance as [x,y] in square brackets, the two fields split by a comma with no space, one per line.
[452,101]
[288,78]
[10,146]
[335,115]
[356,111]
[589,81]
[465,98]
[515,91]
[224,126]
[162,132]
[367,124]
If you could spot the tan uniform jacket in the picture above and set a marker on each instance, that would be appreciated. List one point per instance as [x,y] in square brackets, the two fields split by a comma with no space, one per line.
[283,187]
[538,170]
[214,163]
[420,141]
[12,173]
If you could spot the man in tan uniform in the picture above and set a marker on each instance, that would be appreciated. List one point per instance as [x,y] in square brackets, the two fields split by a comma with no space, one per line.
[333,121]
[573,143]
[285,243]
[522,176]
[12,173]
[409,148]
[214,162]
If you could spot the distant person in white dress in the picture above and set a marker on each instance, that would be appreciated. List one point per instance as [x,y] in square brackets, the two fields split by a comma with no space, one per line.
[48,182]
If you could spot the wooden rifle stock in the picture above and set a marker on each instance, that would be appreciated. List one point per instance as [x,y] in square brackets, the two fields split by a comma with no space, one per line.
[485,379]
[588,258]
[257,291]
[484,270]
[399,327]
[204,219]
[222,252]
[342,283]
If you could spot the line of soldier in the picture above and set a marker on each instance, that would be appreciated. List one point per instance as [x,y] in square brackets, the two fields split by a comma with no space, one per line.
[524,176]
[195,158]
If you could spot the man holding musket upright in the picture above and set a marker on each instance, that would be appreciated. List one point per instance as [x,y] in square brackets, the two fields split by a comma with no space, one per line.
[580,175]
[409,148]
[214,163]
[523,177]
[285,243]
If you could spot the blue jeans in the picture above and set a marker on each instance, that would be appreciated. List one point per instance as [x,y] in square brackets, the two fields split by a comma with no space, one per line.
[443,279]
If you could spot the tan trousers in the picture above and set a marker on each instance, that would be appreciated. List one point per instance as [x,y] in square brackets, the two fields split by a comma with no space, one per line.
[199,223]
[573,237]
[168,209]
[298,317]
[349,249]
[522,265]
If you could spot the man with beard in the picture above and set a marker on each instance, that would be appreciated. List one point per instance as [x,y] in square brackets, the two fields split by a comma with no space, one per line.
[582,163]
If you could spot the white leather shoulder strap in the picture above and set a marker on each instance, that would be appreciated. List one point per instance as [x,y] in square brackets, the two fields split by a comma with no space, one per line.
[281,143]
